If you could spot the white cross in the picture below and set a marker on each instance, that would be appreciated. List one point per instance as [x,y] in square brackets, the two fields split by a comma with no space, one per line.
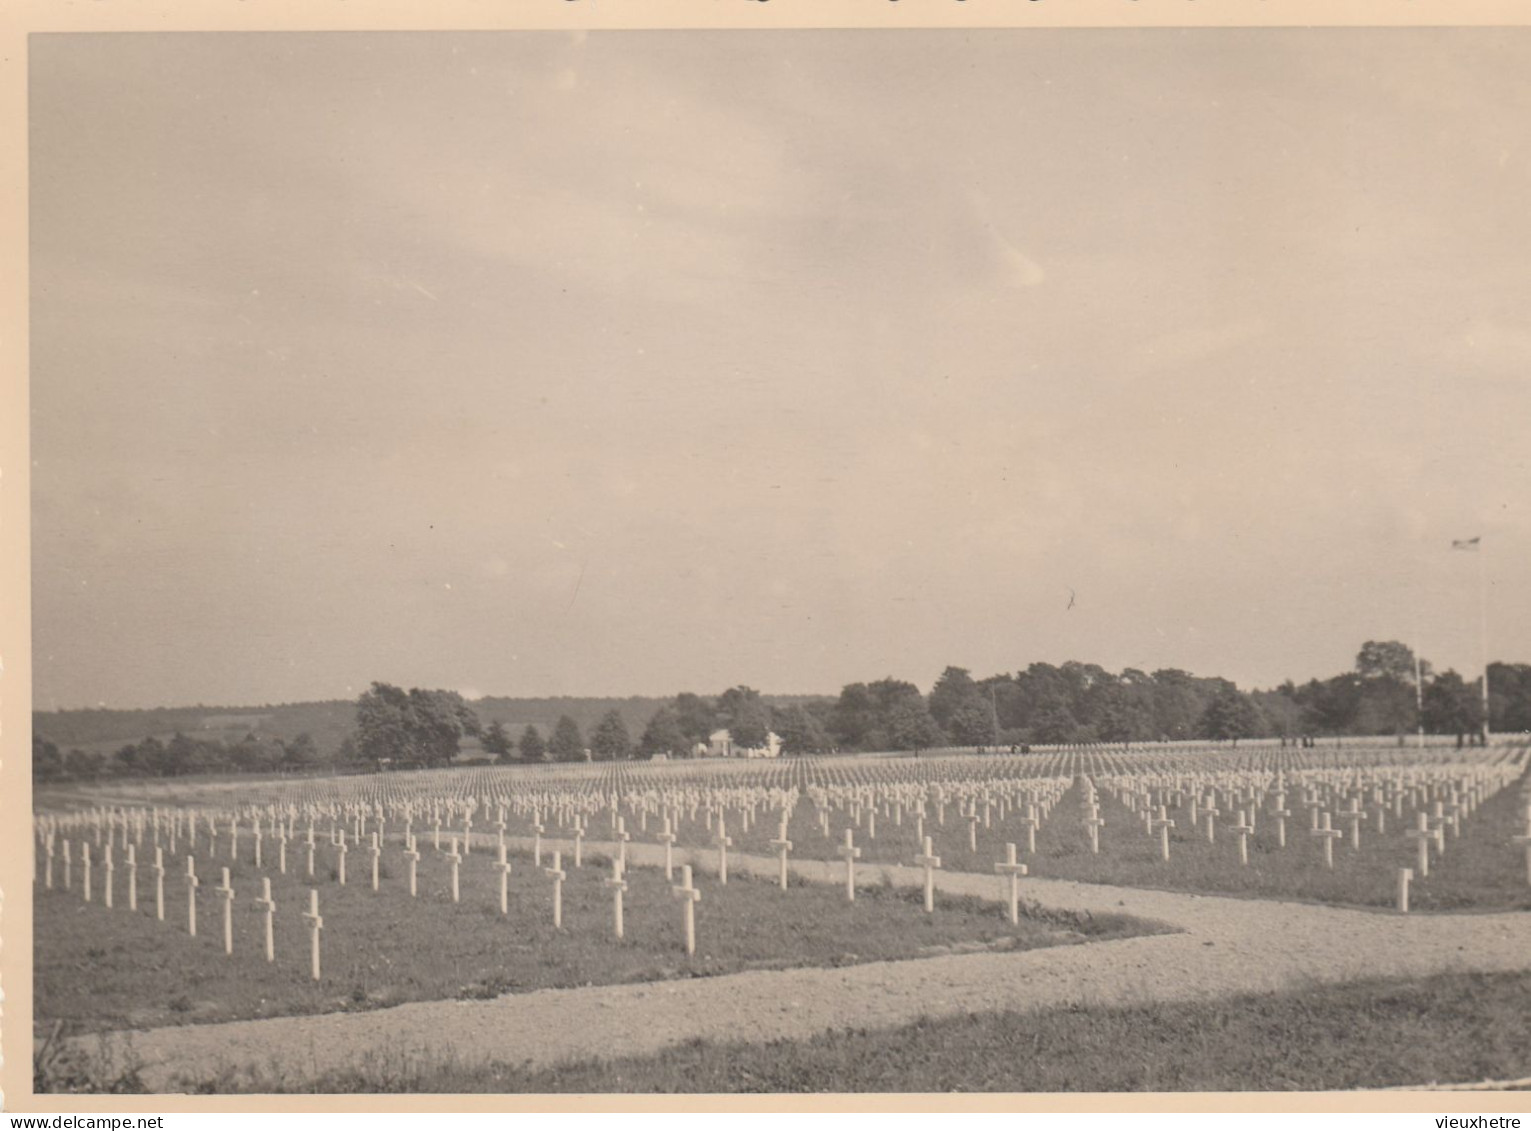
[689,896]
[557,875]
[266,904]
[722,840]
[226,891]
[618,886]
[783,846]
[192,883]
[930,862]
[1012,871]
[666,838]
[849,853]
[315,925]
[503,865]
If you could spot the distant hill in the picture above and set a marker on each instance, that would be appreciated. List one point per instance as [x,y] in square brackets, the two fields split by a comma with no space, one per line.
[104,730]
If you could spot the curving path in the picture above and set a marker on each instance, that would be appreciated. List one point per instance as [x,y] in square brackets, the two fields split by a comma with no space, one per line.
[1226,946]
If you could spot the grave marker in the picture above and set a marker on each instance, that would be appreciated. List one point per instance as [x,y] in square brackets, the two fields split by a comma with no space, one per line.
[1422,835]
[1327,834]
[1163,823]
[159,883]
[618,887]
[927,860]
[722,840]
[666,838]
[1012,871]
[225,891]
[315,925]
[504,868]
[456,858]
[689,896]
[1244,828]
[557,875]
[191,895]
[133,877]
[783,846]
[267,905]
[849,853]
[412,854]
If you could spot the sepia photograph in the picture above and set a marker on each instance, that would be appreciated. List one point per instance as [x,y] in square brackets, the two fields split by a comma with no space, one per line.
[777,561]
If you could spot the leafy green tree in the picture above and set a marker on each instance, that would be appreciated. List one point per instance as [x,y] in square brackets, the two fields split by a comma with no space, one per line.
[532,746]
[663,734]
[567,745]
[497,741]
[973,723]
[800,731]
[855,720]
[954,690]
[301,751]
[910,727]
[1452,706]
[1385,659]
[1229,715]
[414,726]
[697,716]
[47,761]
[610,742]
[744,713]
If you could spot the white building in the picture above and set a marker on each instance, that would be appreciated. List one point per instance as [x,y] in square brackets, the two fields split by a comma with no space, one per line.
[720,744]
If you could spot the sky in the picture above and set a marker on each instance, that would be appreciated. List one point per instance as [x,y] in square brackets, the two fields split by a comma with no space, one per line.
[542,363]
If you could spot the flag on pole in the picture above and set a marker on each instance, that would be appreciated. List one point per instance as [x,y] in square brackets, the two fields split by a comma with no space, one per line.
[1466,543]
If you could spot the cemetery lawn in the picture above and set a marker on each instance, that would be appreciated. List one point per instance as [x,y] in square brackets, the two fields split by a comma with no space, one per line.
[1440,1029]
[1481,870]
[98,969]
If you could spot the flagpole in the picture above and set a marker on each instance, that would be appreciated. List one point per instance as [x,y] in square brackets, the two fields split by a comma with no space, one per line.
[1419,688]
[1483,632]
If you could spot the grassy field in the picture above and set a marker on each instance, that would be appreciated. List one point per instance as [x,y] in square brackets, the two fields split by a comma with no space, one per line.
[99,969]
[1444,1029]
[1481,869]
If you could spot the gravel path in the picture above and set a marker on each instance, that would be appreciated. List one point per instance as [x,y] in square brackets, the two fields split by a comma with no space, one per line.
[1226,946]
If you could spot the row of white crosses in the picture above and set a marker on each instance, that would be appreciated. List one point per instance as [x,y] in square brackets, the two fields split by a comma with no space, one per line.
[1451,794]
[224,890]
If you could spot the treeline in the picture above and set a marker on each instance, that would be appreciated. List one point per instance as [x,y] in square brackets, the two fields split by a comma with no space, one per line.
[180,756]
[1385,693]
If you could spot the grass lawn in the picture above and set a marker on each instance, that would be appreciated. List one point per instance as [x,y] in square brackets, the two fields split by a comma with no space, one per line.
[98,969]
[1481,870]
[1449,1028]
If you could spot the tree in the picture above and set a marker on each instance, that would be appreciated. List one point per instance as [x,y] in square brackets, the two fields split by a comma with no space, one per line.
[973,723]
[1229,715]
[533,748]
[1387,700]
[566,745]
[1385,659]
[47,762]
[799,730]
[745,715]
[496,741]
[301,751]
[854,720]
[697,716]
[663,734]
[415,726]
[952,691]
[1452,706]
[610,742]
[910,726]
